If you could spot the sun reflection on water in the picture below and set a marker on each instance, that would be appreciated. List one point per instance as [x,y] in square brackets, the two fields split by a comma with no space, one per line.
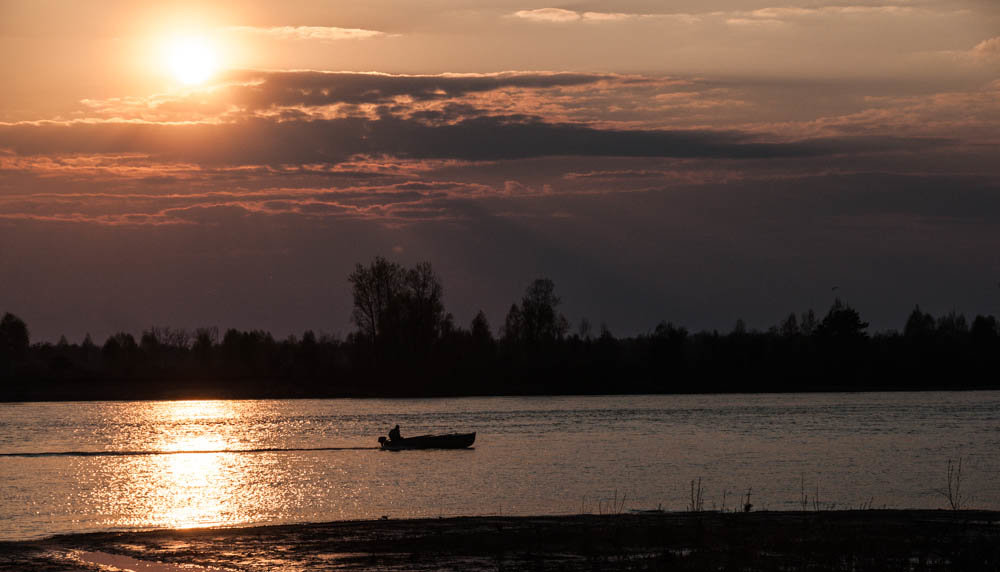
[189,492]
[184,488]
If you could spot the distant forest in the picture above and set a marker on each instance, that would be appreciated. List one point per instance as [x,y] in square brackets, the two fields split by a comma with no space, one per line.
[405,344]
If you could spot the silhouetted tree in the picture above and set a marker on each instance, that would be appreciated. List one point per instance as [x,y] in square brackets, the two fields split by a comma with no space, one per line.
[418,308]
[308,339]
[667,351]
[790,326]
[205,340]
[248,352]
[919,325]
[483,346]
[308,352]
[374,289]
[952,326]
[399,311]
[422,353]
[606,334]
[149,342]
[513,325]
[540,320]
[807,325]
[89,352]
[120,351]
[667,331]
[740,328]
[480,329]
[14,337]
[984,329]
[841,323]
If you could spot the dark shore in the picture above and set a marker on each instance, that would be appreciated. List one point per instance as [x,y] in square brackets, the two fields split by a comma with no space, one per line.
[833,540]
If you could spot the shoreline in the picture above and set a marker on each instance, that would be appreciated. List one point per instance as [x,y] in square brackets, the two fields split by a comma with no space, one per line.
[823,540]
[395,396]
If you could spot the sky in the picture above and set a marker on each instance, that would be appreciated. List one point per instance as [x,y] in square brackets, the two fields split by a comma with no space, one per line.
[227,164]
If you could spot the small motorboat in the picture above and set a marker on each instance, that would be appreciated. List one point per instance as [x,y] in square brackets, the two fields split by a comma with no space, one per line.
[450,441]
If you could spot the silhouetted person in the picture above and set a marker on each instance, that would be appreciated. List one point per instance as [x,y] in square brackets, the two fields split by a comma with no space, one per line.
[394,434]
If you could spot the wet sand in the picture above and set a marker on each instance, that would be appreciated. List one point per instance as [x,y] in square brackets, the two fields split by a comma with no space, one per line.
[832,540]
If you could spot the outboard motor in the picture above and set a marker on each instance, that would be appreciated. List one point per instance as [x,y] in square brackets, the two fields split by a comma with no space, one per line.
[382,441]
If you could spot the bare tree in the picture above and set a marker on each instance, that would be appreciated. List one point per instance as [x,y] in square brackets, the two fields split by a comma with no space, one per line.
[422,307]
[399,311]
[374,289]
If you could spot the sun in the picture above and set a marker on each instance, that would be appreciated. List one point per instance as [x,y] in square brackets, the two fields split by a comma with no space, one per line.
[192,59]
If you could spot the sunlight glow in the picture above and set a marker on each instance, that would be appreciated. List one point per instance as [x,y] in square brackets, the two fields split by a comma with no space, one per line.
[191,59]
[187,489]
[190,490]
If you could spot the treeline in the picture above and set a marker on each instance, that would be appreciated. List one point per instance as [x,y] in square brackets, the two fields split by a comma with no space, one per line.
[407,344]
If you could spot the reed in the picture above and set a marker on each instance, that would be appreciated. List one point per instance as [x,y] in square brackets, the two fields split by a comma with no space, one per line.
[803,497]
[747,505]
[957,499]
[697,503]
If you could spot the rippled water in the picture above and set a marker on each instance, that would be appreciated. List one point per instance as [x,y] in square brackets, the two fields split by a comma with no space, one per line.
[131,466]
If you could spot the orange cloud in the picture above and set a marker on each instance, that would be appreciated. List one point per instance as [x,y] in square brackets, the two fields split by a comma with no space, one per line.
[317,33]
[987,48]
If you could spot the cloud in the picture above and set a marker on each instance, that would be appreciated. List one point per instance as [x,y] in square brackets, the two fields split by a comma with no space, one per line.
[987,48]
[615,174]
[415,200]
[304,123]
[556,15]
[267,142]
[767,16]
[258,90]
[425,147]
[985,53]
[304,95]
[778,15]
[325,88]
[129,219]
[754,22]
[316,33]
[562,16]
[972,115]
[605,16]
[791,12]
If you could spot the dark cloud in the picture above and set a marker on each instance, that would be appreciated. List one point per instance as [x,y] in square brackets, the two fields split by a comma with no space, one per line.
[269,142]
[616,175]
[312,88]
[496,179]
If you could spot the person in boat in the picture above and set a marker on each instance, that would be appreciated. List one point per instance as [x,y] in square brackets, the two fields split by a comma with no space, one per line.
[394,435]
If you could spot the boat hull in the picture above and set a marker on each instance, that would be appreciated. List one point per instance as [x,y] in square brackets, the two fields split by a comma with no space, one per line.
[450,441]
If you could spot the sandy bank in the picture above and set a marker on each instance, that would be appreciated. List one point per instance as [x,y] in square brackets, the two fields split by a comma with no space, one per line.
[836,540]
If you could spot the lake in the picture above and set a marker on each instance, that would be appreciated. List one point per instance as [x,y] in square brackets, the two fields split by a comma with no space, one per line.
[78,467]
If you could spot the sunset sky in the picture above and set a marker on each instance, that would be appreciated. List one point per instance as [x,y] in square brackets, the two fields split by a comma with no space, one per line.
[699,161]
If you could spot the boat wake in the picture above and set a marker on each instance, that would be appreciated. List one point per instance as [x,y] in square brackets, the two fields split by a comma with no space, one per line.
[203,451]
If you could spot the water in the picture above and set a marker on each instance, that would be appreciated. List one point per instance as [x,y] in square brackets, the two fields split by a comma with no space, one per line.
[131,466]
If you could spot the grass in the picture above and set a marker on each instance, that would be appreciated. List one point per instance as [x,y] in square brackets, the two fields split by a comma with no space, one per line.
[954,493]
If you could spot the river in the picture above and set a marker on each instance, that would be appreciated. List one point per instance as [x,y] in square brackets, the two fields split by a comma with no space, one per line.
[78,467]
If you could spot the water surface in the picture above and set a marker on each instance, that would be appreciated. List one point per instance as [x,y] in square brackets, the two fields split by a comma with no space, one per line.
[75,467]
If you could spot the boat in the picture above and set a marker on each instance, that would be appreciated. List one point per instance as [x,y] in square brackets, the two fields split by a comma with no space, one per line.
[449,441]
